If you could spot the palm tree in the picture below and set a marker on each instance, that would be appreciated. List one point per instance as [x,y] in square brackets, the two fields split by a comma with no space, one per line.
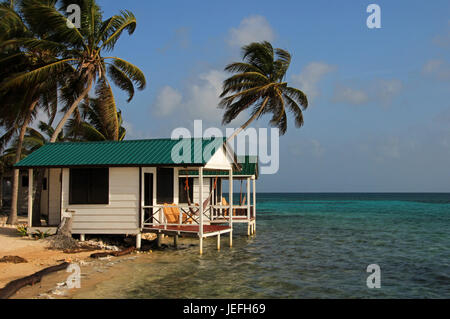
[258,83]
[21,100]
[83,50]
[96,123]
[33,140]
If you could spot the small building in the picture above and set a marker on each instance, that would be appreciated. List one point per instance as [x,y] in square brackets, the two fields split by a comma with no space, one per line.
[134,187]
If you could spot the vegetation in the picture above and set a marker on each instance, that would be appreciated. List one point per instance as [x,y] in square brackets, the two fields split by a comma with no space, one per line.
[23,230]
[51,62]
[258,84]
[40,235]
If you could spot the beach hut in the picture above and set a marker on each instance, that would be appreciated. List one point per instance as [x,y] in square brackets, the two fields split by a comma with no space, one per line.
[162,186]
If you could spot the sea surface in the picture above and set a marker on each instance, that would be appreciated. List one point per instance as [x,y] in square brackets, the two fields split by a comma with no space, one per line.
[307,246]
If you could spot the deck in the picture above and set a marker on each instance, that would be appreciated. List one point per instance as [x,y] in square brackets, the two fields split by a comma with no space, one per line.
[236,219]
[188,230]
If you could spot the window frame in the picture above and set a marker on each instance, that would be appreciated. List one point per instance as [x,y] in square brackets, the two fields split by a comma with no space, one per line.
[90,186]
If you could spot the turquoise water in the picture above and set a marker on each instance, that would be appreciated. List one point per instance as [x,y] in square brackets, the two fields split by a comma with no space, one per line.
[309,246]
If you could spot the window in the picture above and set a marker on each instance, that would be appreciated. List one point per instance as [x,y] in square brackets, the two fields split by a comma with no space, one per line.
[164,186]
[25,181]
[44,184]
[89,186]
[182,195]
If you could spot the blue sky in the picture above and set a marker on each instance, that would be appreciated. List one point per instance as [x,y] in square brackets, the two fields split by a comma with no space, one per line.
[379,115]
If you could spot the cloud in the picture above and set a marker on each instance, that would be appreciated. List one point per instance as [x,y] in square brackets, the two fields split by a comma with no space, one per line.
[379,91]
[348,95]
[254,28]
[309,78]
[199,99]
[386,90]
[437,68]
[167,100]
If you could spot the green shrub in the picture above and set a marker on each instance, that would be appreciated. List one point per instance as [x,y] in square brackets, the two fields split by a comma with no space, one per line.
[23,230]
[40,235]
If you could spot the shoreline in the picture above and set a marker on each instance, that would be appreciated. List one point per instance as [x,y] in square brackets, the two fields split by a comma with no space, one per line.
[39,255]
[93,272]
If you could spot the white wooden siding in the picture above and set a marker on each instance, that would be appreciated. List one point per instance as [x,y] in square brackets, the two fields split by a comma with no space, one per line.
[206,189]
[54,209]
[120,216]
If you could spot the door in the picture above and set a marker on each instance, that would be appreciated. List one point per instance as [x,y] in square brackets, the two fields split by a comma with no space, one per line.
[164,186]
[148,195]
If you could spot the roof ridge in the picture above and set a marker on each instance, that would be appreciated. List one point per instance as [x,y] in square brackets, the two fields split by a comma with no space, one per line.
[129,141]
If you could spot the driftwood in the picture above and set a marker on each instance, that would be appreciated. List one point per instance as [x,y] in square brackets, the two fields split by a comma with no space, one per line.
[113,253]
[13,260]
[14,286]
[80,250]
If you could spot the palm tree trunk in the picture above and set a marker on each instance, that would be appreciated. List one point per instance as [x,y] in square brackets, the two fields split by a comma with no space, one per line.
[12,218]
[71,110]
[254,117]
[37,198]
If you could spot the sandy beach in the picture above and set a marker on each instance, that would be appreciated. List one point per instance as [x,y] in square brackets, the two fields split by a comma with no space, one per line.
[36,252]
[38,255]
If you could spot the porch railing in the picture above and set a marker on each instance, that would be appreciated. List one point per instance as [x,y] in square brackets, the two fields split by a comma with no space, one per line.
[154,215]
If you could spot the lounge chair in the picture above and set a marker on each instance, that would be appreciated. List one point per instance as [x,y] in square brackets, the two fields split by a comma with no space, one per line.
[172,213]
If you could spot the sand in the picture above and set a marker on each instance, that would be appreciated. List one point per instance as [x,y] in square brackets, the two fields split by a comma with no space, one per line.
[36,252]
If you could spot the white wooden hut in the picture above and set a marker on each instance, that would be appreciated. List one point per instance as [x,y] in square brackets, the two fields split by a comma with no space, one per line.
[135,187]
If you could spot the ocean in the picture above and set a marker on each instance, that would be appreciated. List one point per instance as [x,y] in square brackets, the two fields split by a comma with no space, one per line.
[307,246]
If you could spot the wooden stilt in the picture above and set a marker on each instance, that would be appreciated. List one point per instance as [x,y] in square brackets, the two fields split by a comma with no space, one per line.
[138,241]
[218,242]
[82,237]
[175,241]
[200,179]
[158,240]
[249,229]
[231,239]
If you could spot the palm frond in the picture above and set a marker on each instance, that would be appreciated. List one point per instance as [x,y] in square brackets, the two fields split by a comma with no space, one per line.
[132,71]
[115,27]
[36,76]
[121,80]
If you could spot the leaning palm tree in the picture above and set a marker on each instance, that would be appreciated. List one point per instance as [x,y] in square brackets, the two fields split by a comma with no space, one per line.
[83,49]
[258,84]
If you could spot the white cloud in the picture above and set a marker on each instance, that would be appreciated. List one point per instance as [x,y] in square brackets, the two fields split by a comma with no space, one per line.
[437,68]
[202,98]
[167,101]
[379,91]
[309,78]
[255,28]
[348,95]
[199,100]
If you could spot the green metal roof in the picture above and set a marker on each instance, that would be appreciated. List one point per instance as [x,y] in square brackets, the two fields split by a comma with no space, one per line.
[126,153]
[249,167]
